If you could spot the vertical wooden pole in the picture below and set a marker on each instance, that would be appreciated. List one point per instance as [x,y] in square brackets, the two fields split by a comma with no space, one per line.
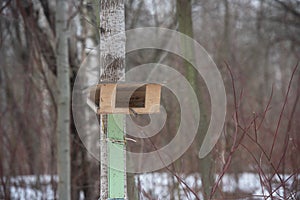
[116,145]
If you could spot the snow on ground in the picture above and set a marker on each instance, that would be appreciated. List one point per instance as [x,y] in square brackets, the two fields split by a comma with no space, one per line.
[30,187]
[159,185]
[156,185]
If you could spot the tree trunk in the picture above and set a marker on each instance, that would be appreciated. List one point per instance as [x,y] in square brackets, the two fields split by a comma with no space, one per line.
[63,114]
[112,68]
[185,26]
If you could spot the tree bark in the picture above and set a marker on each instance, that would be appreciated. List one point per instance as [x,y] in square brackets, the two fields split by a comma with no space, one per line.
[63,114]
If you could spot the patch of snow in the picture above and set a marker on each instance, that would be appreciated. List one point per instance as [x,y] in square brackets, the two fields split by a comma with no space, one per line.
[161,186]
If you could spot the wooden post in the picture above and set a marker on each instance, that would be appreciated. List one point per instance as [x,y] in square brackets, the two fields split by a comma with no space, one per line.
[112,114]
[114,100]
[116,147]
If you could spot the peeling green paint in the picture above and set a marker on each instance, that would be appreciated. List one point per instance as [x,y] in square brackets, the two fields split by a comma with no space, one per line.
[116,147]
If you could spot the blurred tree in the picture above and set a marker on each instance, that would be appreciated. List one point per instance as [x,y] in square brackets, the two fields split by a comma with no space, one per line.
[63,106]
[185,26]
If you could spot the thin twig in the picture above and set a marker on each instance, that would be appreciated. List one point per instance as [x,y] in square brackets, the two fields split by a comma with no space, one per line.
[282,110]
[254,125]
[267,108]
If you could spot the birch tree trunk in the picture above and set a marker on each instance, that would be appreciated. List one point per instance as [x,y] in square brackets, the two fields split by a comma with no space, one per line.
[112,65]
[63,114]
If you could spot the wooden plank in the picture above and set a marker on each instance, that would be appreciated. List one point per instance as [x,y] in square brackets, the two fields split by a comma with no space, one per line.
[107,98]
[116,146]
[153,98]
[114,98]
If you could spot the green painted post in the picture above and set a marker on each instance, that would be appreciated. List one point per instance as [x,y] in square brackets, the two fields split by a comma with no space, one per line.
[116,147]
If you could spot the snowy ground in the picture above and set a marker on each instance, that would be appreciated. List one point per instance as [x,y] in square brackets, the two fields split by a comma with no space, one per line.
[159,185]
[156,185]
[24,187]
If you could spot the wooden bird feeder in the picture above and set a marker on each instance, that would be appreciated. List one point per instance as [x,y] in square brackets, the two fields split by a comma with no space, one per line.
[125,98]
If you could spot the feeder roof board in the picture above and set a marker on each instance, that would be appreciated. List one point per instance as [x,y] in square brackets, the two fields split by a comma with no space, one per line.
[125,98]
